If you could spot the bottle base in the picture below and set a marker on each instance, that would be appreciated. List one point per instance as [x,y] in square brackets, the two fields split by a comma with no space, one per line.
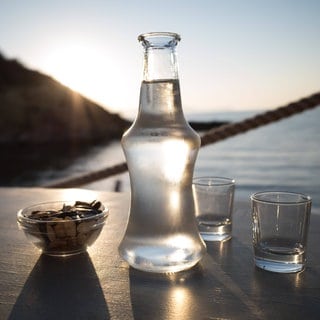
[161,269]
[160,260]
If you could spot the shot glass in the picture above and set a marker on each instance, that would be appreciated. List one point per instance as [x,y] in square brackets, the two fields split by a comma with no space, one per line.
[280,223]
[213,207]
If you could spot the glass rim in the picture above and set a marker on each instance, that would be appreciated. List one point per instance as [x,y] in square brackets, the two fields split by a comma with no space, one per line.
[303,198]
[173,35]
[216,181]
[23,218]
[159,40]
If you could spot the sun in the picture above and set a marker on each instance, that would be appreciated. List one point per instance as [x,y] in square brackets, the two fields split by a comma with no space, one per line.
[98,71]
[82,68]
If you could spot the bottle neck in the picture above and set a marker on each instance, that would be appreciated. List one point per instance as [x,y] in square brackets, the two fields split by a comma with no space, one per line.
[160,58]
[160,100]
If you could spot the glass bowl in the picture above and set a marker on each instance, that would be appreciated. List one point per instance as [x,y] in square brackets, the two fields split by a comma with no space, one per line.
[63,228]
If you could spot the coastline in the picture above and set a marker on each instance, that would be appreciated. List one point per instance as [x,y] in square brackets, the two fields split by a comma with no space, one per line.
[283,155]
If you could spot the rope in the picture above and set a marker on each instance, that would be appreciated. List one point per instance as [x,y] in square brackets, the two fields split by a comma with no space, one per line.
[211,136]
[233,129]
[90,177]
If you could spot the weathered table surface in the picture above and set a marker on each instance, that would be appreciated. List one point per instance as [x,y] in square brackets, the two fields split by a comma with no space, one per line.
[100,285]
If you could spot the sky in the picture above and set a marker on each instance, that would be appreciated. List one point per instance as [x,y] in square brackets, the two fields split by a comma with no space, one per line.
[234,54]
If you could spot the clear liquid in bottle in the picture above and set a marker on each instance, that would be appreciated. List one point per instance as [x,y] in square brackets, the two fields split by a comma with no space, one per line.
[161,150]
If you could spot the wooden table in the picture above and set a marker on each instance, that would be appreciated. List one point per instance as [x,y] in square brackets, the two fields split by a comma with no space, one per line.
[100,285]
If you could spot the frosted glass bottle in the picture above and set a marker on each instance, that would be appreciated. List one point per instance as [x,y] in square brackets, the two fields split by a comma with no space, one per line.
[161,150]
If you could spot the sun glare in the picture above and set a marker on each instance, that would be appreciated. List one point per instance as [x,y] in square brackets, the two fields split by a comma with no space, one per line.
[174,159]
[81,68]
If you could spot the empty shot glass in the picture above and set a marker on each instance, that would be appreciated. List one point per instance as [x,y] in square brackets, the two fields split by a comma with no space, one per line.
[280,230]
[213,207]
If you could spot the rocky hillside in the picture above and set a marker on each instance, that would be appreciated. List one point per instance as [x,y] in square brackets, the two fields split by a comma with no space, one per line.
[36,109]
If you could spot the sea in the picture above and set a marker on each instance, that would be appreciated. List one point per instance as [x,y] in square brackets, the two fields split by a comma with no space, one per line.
[284,155]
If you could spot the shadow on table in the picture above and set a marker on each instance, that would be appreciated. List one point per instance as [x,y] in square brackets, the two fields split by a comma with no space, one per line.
[61,288]
[164,296]
[203,292]
[216,288]
[266,295]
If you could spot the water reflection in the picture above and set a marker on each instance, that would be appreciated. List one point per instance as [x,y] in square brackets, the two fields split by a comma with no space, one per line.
[32,165]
